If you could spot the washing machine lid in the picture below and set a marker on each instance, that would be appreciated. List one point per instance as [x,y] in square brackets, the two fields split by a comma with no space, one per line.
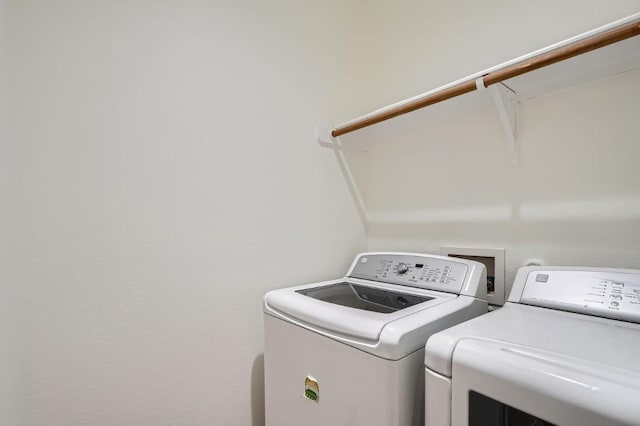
[352,308]
[365,297]
[388,304]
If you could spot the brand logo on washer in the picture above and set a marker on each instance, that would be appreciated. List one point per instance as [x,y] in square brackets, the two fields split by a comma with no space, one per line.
[542,278]
[311,389]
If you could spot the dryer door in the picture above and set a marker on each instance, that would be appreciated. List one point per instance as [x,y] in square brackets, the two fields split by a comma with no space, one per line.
[501,384]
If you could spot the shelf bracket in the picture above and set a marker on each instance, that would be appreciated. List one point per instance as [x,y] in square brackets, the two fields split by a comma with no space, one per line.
[325,139]
[505,101]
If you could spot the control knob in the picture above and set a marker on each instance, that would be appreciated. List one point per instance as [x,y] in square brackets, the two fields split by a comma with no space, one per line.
[402,268]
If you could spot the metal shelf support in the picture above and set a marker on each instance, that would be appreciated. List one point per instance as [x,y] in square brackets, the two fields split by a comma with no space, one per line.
[325,139]
[506,102]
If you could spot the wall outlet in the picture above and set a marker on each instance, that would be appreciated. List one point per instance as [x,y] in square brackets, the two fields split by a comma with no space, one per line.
[534,262]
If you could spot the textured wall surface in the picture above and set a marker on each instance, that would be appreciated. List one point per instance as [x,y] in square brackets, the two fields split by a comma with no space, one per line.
[414,46]
[168,176]
[430,182]
[163,172]
[10,408]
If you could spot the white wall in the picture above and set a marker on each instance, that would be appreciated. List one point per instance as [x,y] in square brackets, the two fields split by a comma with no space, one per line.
[415,45]
[575,197]
[168,177]
[10,408]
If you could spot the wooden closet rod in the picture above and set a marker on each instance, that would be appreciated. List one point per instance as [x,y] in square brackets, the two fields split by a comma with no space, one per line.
[569,51]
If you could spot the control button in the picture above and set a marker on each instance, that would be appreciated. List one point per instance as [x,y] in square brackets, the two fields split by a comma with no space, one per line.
[615,304]
[616,296]
[402,268]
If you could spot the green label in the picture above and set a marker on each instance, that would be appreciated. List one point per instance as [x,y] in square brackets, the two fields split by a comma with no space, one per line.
[311,389]
[311,394]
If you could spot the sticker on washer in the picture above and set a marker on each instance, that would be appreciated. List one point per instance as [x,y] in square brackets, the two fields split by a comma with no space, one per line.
[311,389]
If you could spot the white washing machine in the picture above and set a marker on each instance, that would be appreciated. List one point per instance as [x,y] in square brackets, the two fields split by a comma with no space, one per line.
[564,350]
[350,351]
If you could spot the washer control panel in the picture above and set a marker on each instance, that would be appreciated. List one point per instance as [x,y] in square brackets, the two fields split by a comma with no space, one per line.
[423,271]
[604,293]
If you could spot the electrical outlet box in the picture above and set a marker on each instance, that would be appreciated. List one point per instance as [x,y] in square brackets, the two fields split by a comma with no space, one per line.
[493,259]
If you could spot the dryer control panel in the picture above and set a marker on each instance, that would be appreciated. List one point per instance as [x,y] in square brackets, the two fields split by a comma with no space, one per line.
[608,292]
[423,271]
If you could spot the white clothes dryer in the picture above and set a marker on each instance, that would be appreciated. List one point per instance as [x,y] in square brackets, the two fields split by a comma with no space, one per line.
[564,351]
[350,351]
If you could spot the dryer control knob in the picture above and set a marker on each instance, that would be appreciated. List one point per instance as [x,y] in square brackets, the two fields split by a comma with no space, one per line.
[402,268]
